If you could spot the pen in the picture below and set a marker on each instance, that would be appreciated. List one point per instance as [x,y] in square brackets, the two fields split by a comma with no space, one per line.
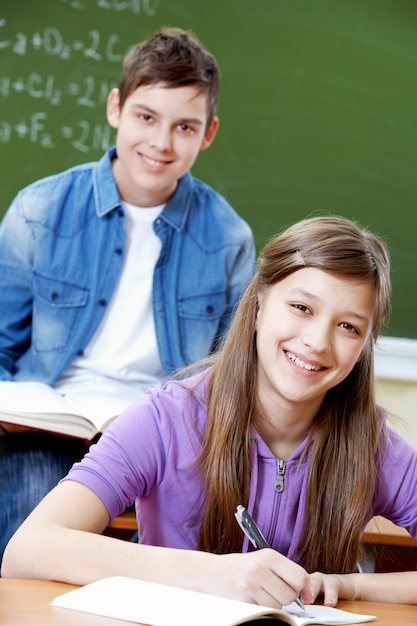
[252,532]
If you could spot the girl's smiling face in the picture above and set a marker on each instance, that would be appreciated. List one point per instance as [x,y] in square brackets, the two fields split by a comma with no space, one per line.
[312,327]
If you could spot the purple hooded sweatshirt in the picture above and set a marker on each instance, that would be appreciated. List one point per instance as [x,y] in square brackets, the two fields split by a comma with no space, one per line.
[148,455]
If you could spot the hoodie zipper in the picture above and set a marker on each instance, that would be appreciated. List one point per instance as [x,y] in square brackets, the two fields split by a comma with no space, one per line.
[279,482]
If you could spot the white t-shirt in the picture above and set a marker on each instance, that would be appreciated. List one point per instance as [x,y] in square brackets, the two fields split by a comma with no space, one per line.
[122,359]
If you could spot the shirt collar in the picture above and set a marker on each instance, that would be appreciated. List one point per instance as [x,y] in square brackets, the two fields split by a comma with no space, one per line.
[107,196]
[178,206]
[105,189]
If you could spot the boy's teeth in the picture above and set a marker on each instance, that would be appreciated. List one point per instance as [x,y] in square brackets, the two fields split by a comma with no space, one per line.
[151,161]
[301,363]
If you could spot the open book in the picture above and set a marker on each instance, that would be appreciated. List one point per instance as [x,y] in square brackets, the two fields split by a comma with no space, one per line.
[159,605]
[37,405]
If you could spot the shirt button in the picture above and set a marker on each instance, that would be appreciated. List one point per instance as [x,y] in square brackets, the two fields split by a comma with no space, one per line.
[80,352]
[102,302]
[54,296]
[118,251]
[210,309]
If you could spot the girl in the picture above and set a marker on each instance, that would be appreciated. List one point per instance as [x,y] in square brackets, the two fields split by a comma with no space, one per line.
[282,420]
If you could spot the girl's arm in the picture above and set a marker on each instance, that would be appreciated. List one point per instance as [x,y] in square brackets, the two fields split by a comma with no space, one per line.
[61,541]
[397,587]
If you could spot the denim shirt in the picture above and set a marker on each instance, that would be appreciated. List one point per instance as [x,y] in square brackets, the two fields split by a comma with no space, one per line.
[62,246]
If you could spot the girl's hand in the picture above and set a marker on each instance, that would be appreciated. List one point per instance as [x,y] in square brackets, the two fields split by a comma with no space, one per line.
[334,587]
[263,577]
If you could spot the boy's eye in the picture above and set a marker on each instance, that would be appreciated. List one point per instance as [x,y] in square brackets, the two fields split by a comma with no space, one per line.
[145,117]
[185,128]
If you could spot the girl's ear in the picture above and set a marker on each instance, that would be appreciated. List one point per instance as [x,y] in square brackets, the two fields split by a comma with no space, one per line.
[259,301]
[113,108]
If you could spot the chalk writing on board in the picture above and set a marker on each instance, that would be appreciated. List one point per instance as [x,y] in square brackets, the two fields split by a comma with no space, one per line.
[50,41]
[146,7]
[89,91]
[83,135]
[60,84]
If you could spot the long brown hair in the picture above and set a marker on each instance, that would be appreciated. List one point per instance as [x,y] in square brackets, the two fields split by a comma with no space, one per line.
[345,434]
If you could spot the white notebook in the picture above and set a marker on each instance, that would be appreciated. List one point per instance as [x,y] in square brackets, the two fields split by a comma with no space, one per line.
[160,605]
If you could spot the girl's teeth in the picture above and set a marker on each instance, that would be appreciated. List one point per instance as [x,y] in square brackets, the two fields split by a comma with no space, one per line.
[300,363]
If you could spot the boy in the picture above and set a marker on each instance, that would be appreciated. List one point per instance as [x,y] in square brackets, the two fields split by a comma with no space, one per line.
[115,274]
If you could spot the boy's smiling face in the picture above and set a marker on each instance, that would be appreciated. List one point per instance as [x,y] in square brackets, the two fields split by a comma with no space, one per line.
[160,132]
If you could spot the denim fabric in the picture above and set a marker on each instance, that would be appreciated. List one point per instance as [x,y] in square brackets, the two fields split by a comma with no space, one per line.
[62,244]
[31,464]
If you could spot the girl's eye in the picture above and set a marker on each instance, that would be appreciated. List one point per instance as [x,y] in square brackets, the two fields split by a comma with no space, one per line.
[301,307]
[350,328]
[145,117]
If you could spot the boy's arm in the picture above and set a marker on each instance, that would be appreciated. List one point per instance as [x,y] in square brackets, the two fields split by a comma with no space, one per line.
[15,289]
[241,273]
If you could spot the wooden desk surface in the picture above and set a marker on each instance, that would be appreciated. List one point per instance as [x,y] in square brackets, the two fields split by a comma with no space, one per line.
[27,603]
[382,531]
[378,531]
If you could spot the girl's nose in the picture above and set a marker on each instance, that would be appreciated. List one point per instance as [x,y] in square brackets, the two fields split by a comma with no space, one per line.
[317,338]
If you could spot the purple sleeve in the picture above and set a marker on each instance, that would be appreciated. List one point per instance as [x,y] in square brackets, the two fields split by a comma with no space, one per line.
[143,450]
[396,490]
[127,459]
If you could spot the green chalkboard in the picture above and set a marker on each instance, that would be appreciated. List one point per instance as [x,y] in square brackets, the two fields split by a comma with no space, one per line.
[318,106]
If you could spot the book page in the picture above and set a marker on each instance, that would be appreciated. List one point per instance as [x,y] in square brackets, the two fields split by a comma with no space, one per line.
[99,403]
[37,405]
[32,397]
[319,614]
[160,605]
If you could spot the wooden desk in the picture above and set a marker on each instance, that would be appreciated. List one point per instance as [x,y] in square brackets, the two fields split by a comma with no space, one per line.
[27,603]
[125,521]
[382,531]
[378,531]
[388,548]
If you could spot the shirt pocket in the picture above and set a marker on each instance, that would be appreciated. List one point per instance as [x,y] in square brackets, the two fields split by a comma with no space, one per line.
[199,320]
[57,308]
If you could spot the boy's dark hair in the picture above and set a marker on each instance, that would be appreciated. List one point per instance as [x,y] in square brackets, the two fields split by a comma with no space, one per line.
[174,57]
